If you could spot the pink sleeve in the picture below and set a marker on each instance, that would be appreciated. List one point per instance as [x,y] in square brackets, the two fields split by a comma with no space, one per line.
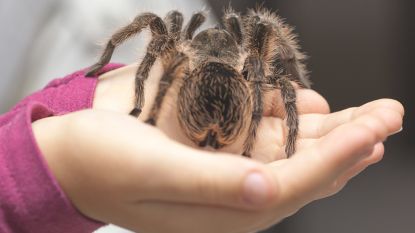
[30,197]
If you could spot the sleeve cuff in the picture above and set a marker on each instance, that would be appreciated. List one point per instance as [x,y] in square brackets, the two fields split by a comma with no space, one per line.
[31,200]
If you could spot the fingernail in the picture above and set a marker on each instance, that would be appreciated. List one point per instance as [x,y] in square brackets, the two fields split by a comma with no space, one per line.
[255,189]
[400,130]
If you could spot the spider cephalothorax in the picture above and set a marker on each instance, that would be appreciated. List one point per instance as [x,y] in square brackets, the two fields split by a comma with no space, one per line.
[223,73]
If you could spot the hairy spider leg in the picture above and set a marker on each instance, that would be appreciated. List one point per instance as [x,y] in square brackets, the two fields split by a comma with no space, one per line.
[289,58]
[174,23]
[194,23]
[159,45]
[233,24]
[174,63]
[155,49]
[136,26]
[289,98]
[287,65]
[254,71]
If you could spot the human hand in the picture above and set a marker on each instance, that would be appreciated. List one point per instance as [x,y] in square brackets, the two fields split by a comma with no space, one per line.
[195,191]
[105,171]
[115,92]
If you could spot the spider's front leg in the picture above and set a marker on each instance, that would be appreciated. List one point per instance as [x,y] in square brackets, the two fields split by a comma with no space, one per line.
[135,27]
[255,75]
[174,62]
[254,71]
[233,24]
[194,23]
[174,23]
[174,70]
[160,44]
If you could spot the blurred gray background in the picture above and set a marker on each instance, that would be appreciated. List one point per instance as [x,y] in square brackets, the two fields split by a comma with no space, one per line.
[359,51]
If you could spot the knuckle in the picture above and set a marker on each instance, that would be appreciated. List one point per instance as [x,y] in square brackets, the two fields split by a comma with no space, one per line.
[210,188]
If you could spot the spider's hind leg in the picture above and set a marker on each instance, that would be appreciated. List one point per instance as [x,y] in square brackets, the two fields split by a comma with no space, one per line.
[289,59]
[289,98]
[284,63]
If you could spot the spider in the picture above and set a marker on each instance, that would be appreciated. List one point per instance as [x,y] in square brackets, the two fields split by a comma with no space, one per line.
[224,72]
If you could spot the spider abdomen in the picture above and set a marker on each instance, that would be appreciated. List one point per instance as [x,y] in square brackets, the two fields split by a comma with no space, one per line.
[214,105]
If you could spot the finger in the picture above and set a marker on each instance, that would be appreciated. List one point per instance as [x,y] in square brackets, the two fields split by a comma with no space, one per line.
[192,176]
[272,131]
[308,101]
[222,218]
[190,218]
[304,144]
[374,157]
[267,149]
[269,143]
[316,169]
[270,140]
[317,125]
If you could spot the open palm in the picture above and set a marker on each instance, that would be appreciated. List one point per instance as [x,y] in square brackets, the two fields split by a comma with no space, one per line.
[198,191]
[115,92]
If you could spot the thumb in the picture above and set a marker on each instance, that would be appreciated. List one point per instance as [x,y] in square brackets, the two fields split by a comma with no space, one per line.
[141,164]
[176,173]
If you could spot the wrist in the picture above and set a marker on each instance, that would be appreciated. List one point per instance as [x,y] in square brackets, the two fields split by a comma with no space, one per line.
[48,134]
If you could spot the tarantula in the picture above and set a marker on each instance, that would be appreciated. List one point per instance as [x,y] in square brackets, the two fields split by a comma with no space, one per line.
[224,72]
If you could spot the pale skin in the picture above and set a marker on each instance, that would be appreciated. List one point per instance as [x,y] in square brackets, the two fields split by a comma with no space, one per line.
[118,170]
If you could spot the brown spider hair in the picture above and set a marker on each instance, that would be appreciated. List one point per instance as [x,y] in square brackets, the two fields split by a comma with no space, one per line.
[223,72]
